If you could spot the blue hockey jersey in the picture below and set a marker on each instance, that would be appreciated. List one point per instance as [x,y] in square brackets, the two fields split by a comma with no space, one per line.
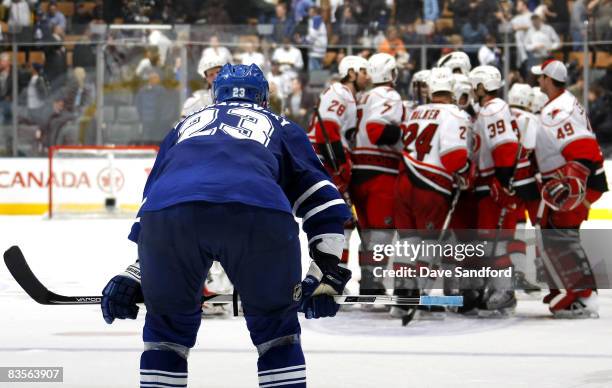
[241,152]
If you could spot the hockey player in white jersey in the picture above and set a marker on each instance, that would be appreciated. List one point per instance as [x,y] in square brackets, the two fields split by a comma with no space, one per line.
[435,161]
[418,84]
[338,110]
[457,61]
[376,159]
[571,164]
[497,155]
[208,68]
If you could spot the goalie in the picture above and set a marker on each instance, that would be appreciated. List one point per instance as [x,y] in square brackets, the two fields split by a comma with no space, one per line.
[571,164]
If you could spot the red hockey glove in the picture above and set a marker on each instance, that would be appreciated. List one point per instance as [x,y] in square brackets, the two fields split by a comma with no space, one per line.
[466,176]
[502,196]
[566,191]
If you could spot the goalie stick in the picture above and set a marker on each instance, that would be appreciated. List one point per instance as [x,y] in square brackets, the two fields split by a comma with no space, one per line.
[19,268]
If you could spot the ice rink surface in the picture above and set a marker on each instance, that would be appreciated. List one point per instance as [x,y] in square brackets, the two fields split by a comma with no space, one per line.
[355,349]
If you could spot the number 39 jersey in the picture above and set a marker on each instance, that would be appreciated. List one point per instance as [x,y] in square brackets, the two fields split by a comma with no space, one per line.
[241,152]
[435,145]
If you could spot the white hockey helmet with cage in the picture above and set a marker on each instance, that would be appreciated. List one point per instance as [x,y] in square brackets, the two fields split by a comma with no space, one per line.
[440,80]
[353,62]
[382,68]
[488,76]
[457,60]
[538,100]
[209,62]
[462,87]
[520,95]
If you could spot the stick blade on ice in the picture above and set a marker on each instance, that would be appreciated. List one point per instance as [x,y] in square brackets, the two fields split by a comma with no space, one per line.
[19,268]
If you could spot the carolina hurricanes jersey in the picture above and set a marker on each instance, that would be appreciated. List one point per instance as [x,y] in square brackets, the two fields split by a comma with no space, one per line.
[373,151]
[338,110]
[564,122]
[198,100]
[524,177]
[435,145]
[494,127]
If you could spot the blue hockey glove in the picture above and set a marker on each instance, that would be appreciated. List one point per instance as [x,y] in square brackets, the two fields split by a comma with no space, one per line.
[324,279]
[121,294]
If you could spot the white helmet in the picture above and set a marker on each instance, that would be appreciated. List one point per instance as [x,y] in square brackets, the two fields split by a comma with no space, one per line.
[349,62]
[440,80]
[462,87]
[488,76]
[209,62]
[420,77]
[539,100]
[456,60]
[520,95]
[382,68]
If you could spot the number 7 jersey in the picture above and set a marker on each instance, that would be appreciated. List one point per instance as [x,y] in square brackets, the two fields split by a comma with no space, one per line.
[435,145]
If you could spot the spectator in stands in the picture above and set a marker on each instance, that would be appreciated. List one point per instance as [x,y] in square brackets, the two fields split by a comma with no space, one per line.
[6,89]
[392,44]
[275,77]
[521,23]
[540,40]
[78,94]
[250,56]
[431,11]
[81,18]
[299,103]
[560,17]
[489,53]
[54,120]
[150,63]
[19,19]
[474,33]
[283,25]
[300,9]
[461,13]
[36,94]
[55,59]
[577,89]
[600,112]
[602,13]
[216,50]
[288,56]
[84,53]
[317,38]
[150,101]
[578,16]
[55,16]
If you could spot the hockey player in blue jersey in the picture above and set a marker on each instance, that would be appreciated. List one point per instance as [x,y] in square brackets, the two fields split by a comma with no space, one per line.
[226,185]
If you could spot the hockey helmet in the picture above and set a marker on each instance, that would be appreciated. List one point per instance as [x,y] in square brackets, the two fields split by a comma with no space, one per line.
[520,95]
[440,80]
[419,80]
[353,62]
[457,60]
[382,68]
[538,100]
[488,76]
[462,87]
[241,82]
[209,62]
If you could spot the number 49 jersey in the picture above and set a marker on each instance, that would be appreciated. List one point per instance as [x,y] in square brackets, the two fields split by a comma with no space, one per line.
[241,152]
[435,145]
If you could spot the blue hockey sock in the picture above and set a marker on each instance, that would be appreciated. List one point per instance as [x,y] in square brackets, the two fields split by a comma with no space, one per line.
[281,363]
[162,369]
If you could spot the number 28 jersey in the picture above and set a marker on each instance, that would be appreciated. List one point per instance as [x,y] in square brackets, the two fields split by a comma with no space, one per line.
[435,145]
[241,152]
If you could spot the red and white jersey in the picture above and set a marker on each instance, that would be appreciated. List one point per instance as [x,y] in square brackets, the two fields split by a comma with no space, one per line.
[524,175]
[374,151]
[496,133]
[338,109]
[436,144]
[564,121]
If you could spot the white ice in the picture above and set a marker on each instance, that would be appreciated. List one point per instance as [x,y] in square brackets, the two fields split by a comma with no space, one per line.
[355,349]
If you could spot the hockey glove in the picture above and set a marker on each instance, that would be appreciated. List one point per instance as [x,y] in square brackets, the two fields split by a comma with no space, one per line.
[121,294]
[324,279]
[342,177]
[465,177]
[502,196]
[567,191]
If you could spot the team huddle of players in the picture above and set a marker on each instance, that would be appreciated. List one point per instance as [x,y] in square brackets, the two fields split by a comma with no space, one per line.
[402,162]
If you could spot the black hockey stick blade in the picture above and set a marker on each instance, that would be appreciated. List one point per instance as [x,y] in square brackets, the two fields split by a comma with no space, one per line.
[19,268]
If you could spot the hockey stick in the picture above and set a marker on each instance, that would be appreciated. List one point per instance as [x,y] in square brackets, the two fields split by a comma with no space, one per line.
[19,268]
[334,163]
